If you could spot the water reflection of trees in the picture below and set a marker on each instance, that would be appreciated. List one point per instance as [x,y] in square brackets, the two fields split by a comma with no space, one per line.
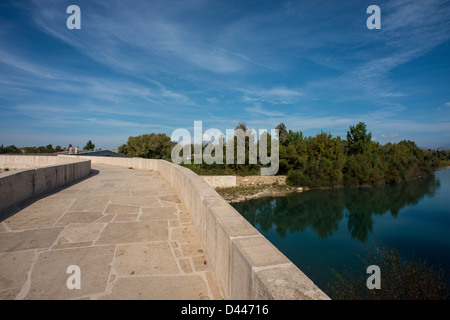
[323,210]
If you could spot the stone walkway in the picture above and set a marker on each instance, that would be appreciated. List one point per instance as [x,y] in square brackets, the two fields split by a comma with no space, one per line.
[125,229]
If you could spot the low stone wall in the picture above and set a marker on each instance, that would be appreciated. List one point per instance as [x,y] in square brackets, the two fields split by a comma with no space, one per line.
[49,173]
[236,181]
[260,180]
[220,181]
[245,263]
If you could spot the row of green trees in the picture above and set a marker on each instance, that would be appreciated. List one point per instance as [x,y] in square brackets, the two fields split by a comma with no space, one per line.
[12,149]
[42,149]
[326,161]
[318,161]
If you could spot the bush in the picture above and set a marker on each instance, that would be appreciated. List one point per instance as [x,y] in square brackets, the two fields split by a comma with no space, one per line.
[357,171]
[295,178]
[412,279]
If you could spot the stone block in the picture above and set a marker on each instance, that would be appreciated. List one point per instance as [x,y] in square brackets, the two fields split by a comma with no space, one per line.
[183,287]
[28,239]
[49,276]
[134,231]
[285,282]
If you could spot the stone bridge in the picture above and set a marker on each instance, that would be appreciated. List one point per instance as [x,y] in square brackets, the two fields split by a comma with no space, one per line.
[136,229]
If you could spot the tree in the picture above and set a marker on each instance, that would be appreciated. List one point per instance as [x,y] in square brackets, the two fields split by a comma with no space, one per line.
[282,133]
[244,136]
[153,146]
[41,149]
[359,141]
[89,146]
[9,149]
[49,149]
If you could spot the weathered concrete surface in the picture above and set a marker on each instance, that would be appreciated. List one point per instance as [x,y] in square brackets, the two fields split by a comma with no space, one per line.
[126,229]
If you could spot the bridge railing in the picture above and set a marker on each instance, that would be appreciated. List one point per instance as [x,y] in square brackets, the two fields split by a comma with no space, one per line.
[33,175]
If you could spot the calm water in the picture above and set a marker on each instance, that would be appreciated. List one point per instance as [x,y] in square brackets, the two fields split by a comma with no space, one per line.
[321,229]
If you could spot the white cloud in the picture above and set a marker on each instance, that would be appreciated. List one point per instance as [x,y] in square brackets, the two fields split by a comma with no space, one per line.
[275,95]
[257,110]
[390,136]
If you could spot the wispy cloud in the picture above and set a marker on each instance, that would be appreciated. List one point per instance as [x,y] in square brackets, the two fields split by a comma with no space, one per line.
[257,110]
[390,136]
[275,95]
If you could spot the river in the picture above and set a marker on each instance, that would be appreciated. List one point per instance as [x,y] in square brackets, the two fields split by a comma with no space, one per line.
[322,229]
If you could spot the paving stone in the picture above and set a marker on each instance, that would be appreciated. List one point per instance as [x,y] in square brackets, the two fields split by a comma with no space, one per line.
[117,208]
[49,202]
[184,234]
[145,259]
[14,267]
[68,245]
[184,217]
[159,213]
[9,294]
[79,232]
[134,231]
[200,263]
[106,218]
[3,228]
[146,201]
[146,192]
[185,265]
[183,287]
[49,275]
[92,204]
[174,223]
[81,217]
[109,194]
[126,217]
[29,239]
[32,218]
[193,248]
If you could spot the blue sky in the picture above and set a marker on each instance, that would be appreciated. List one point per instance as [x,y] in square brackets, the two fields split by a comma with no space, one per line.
[138,67]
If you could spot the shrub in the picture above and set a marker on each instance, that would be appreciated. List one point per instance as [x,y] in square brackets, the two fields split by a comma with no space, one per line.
[412,279]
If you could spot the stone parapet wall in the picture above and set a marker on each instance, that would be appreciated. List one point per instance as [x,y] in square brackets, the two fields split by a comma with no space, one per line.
[12,161]
[246,265]
[48,173]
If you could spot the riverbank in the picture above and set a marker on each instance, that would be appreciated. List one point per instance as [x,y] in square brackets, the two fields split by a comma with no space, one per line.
[248,192]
